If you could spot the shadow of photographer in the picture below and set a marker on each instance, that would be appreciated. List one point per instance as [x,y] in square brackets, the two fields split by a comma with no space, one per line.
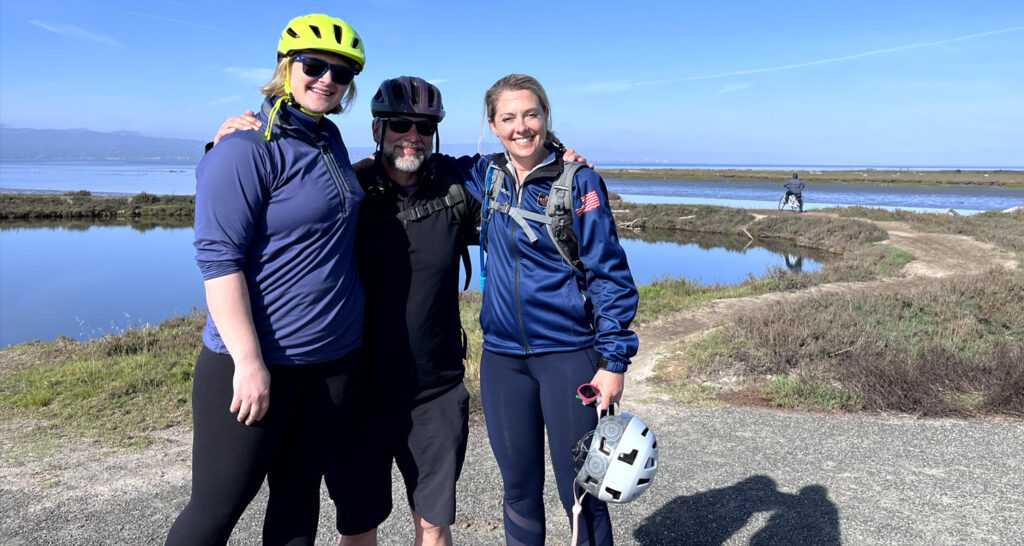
[711,517]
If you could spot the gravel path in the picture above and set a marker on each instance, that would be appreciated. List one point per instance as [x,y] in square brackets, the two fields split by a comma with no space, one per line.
[727,476]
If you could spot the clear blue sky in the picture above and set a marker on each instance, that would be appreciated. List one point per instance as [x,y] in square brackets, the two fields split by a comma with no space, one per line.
[798,82]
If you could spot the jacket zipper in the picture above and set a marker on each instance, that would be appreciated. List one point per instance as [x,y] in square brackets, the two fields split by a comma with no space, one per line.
[339,179]
[518,198]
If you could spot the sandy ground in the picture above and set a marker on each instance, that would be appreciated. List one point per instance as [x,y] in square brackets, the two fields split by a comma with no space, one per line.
[727,476]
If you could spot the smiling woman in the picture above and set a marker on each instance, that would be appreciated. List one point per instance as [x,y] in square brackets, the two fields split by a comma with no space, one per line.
[550,321]
[274,236]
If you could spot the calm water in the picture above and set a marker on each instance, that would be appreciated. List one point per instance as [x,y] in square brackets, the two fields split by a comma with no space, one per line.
[89,281]
[963,199]
[100,177]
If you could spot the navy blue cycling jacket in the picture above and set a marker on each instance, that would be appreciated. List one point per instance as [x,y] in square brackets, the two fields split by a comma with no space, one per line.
[534,302]
[284,214]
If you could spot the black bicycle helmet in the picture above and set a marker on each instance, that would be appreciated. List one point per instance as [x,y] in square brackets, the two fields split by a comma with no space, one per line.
[407,95]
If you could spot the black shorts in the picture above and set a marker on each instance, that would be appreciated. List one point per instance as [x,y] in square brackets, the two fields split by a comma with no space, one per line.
[429,444]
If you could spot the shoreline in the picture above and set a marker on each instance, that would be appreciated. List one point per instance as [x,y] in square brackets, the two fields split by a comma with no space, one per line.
[1012,179]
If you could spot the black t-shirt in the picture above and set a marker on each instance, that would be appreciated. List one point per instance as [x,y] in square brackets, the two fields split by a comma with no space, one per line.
[413,340]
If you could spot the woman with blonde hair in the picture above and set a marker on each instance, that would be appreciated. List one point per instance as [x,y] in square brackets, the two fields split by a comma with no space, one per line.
[274,228]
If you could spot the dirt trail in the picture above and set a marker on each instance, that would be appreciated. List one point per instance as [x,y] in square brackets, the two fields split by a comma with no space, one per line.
[938,255]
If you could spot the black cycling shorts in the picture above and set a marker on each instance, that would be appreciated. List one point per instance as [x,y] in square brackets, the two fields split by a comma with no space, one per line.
[428,441]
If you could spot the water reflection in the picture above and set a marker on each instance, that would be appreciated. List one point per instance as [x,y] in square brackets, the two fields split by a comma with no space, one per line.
[711,258]
[141,224]
[84,280]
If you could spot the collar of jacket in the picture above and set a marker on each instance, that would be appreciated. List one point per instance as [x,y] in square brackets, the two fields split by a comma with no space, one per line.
[550,168]
[292,120]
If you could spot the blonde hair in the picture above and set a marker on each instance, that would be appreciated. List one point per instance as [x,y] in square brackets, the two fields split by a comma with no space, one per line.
[520,82]
[276,87]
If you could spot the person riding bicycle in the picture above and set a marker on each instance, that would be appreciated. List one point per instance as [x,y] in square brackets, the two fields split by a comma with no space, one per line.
[795,186]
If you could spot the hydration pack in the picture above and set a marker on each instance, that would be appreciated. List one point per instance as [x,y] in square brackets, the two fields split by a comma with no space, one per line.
[457,199]
[557,217]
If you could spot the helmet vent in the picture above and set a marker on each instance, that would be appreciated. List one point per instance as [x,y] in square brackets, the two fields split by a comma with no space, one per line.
[604,447]
[644,433]
[643,481]
[651,463]
[628,458]
[292,33]
[355,43]
[397,91]
[316,31]
[337,34]
[431,96]
[615,494]
[415,98]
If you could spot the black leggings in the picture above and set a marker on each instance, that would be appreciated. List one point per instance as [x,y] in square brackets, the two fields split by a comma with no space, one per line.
[308,404]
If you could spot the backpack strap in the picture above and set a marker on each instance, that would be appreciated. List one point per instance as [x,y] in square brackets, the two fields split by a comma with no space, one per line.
[560,217]
[518,215]
[557,217]
[421,211]
[456,199]
[461,208]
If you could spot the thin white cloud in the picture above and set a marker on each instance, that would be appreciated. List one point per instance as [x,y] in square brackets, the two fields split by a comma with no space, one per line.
[730,87]
[72,31]
[180,22]
[621,86]
[225,100]
[604,87]
[255,76]
[437,82]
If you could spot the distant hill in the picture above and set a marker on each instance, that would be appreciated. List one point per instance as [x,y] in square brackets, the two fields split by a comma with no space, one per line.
[83,144]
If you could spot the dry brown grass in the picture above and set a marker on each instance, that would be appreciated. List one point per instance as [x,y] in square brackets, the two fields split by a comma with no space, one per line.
[950,347]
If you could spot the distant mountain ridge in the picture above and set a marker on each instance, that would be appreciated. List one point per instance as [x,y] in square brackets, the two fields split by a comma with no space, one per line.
[83,144]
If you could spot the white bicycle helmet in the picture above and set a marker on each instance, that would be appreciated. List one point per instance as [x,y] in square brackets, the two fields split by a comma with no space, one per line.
[616,461]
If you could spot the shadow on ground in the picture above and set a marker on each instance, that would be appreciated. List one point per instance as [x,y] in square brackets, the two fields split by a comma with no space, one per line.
[711,517]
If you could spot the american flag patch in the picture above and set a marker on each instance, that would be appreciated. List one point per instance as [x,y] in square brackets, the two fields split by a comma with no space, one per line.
[590,202]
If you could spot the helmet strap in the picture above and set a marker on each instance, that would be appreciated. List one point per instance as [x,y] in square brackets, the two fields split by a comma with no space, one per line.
[272,117]
[576,509]
[291,94]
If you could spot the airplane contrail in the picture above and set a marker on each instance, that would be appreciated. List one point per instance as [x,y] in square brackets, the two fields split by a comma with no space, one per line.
[620,85]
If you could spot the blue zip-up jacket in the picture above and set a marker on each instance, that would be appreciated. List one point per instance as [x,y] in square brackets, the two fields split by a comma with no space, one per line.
[284,214]
[533,301]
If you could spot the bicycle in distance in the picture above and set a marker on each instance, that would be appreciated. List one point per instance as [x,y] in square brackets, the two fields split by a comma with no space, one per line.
[790,202]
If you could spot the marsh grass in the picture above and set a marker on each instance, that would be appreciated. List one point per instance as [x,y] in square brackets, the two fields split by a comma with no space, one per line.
[696,218]
[82,204]
[953,347]
[114,389]
[469,309]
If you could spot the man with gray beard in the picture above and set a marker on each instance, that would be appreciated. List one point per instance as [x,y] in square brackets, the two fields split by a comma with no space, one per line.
[414,226]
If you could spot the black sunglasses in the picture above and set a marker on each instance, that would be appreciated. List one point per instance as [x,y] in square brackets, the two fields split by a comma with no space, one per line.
[342,74]
[402,125]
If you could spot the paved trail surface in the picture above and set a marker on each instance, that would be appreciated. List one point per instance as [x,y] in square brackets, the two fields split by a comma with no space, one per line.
[727,476]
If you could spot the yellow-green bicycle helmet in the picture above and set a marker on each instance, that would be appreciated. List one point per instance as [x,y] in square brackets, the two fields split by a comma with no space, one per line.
[323,33]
